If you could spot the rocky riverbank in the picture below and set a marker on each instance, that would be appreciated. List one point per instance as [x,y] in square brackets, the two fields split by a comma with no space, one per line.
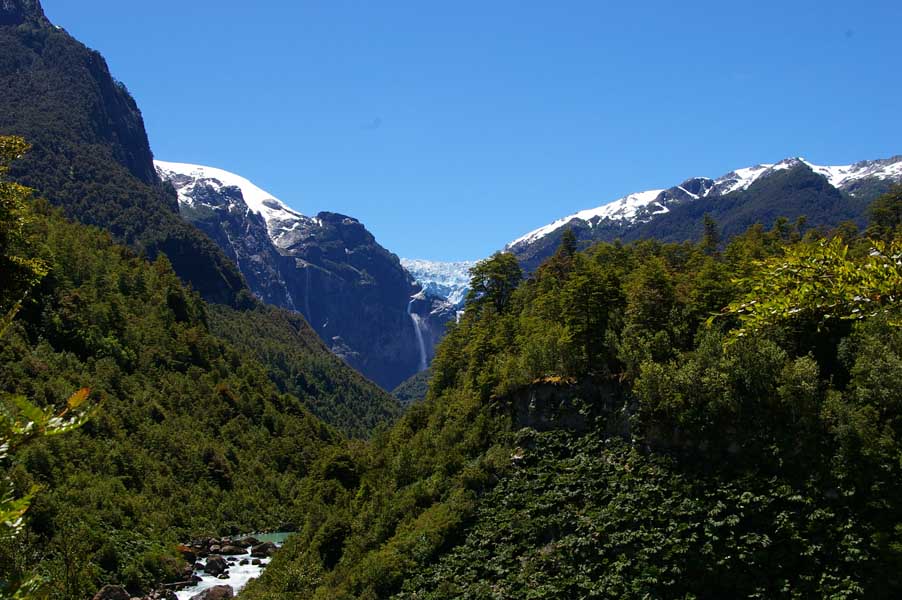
[217,569]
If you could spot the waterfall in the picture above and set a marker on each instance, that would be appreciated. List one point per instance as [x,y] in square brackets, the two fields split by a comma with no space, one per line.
[418,327]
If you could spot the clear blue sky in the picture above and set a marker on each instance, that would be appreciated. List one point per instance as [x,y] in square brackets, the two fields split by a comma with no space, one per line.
[450,128]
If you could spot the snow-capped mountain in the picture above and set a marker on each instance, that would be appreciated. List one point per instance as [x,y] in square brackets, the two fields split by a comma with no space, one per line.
[794,187]
[356,295]
[448,280]
[191,183]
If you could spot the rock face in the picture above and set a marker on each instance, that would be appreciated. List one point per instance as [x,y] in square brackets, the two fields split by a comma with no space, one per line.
[553,404]
[354,293]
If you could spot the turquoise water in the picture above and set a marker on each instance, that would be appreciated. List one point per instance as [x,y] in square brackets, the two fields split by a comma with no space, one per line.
[276,538]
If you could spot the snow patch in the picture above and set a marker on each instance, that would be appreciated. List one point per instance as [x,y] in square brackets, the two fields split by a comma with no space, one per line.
[624,209]
[642,205]
[277,215]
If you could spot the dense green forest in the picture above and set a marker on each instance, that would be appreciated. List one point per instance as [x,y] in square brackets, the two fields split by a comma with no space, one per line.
[413,389]
[646,420]
[696,420]
[204,418]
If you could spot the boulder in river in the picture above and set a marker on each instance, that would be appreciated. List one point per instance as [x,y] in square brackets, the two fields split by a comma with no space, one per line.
[231,550]
[247,541]
[217,592]
[112,592]
[264,550]
[216,565]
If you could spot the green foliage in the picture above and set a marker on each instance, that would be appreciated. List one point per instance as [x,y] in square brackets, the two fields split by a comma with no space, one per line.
[821,280]
[711,235]
[585,517]
[18,272]
[413,389]
[594,436]
[886,216]
[198,431]
[493,280]
[299,364]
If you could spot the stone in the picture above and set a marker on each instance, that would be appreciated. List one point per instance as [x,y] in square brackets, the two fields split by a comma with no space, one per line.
[264,550]
[231,550]
[112,592]
[217,592]
[216,565]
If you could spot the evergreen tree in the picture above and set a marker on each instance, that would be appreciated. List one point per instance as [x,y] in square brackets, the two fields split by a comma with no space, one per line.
[493,281]
[886,216]
[711,236]
[568,243]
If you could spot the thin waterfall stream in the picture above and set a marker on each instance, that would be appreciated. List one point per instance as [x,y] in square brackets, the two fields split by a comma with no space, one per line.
[418,327]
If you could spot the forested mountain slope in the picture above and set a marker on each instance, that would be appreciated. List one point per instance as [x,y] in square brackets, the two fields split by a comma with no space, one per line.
[593,432]
[90,152]
[90,156]
[202,419]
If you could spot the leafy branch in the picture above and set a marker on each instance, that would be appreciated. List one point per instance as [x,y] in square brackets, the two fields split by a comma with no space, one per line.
[821,282]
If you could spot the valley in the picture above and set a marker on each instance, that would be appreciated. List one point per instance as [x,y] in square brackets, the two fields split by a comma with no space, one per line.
[686,392]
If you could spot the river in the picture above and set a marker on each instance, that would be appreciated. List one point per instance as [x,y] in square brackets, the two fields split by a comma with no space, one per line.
[239,575]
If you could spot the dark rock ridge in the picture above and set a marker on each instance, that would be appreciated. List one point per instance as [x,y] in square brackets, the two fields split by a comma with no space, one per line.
[354,293]
[90,154]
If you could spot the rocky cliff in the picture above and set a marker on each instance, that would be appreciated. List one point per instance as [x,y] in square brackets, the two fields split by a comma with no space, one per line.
[329,267]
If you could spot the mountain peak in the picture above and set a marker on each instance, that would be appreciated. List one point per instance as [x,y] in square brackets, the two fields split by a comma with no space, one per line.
[17,12]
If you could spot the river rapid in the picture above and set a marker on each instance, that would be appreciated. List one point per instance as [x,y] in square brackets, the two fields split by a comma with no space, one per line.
[238,574]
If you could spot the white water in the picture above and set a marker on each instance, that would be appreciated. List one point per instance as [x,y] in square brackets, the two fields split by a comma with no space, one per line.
[418,327]
[239,575]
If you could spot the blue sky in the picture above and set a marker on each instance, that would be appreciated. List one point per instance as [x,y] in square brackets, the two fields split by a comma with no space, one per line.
[451,128]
